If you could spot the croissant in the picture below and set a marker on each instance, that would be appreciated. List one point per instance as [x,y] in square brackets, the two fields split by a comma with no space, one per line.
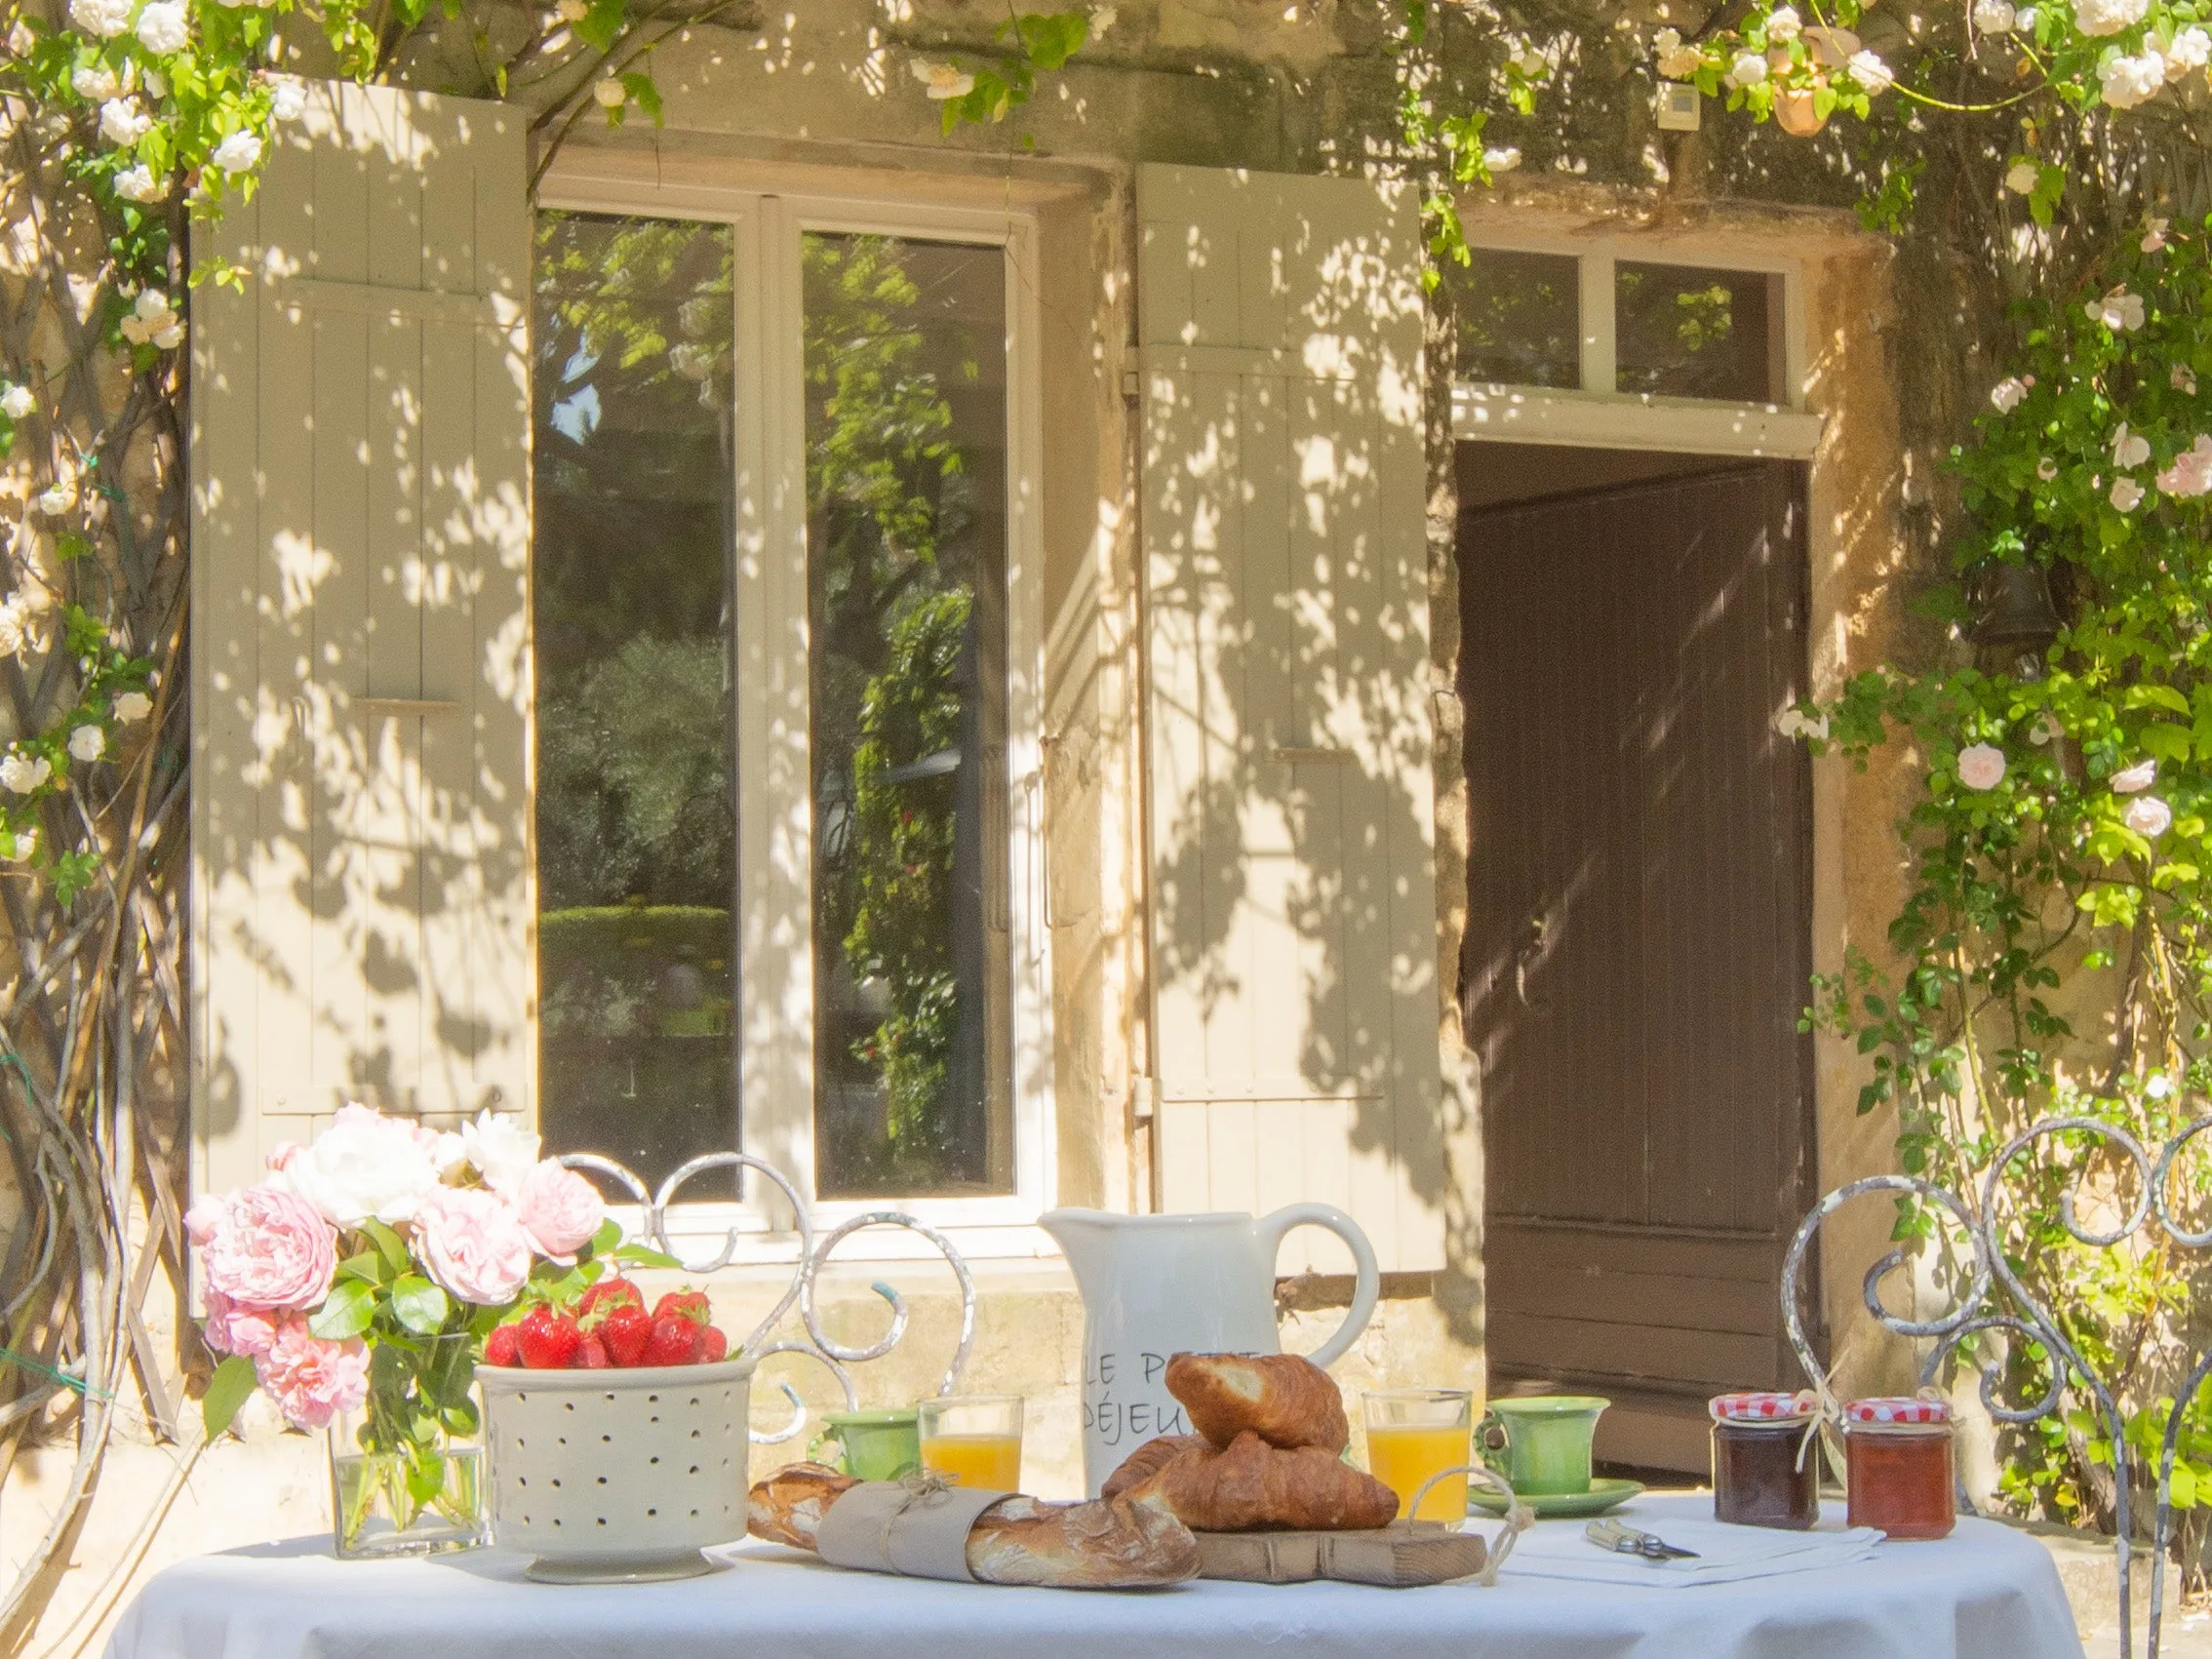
[1288,1401]
[1253,1487]
[1148,1460]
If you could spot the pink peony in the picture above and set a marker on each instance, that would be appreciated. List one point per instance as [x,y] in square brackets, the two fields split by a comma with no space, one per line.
[472,1242]
[265,1247]
[231,1328]
[560,1210]
[311,1378]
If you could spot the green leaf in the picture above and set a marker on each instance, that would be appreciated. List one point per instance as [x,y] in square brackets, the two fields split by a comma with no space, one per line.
[2166,741]
[227,1390]
[644,94]
[609,1235]
[346,1312]
[642,1255]
[389,1245]
[2185,1485]
[368,1267]
[599,26]
[419,1304]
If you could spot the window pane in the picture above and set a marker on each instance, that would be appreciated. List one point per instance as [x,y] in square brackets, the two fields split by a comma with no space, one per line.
[636,843]
[1519,317]
[906,489]
[1687,333]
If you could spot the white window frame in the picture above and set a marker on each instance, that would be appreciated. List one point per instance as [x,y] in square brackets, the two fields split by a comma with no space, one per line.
[775,839]
[1607,418]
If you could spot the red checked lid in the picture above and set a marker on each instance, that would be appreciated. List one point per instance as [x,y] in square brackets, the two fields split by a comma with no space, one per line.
[1904,1413]
[1764,1408]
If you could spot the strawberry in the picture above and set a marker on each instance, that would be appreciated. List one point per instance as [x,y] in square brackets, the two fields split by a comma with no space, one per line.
[714,1348]
[500,1347]
[684,1304]
[547,1340]
[625,1328]
[604,1297]
[591,1355]
[675,1341]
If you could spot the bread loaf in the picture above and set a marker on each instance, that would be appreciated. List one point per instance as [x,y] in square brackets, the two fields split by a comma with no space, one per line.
[1118,1545]
[1142,1464]
[1253,1487]
[1284,1398]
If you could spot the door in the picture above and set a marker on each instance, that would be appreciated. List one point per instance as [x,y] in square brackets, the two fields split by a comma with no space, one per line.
[1637,949]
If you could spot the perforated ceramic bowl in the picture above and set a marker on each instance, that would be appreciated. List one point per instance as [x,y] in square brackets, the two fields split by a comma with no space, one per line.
[611,1475]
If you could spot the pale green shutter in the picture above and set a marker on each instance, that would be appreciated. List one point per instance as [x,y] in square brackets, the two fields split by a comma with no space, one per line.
[360,779]
[1292,811]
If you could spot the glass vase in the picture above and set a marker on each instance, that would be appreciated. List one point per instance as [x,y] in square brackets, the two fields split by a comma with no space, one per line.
[421,1501]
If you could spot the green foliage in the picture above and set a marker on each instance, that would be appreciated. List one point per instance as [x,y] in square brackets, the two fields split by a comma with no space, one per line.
[1033,42]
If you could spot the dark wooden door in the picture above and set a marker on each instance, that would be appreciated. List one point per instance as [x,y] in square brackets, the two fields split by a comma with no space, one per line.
[1637,947]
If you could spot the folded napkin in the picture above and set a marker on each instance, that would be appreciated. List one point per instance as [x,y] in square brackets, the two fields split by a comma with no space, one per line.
[1557,1549]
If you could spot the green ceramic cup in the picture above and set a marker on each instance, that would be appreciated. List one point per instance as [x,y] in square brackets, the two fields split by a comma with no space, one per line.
[1541,1445]
[875,1445]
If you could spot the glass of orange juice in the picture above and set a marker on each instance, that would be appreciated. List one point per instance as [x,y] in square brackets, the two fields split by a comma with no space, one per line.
[1413,1433]
[973,1440]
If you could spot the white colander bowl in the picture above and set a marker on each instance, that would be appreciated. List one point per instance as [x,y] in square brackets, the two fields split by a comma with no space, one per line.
[618,1476]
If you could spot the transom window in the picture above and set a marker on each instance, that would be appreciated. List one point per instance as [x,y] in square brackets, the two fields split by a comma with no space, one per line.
[786,699]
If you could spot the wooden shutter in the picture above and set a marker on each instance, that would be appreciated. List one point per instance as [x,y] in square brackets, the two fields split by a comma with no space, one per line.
[361,775]
[1292,812]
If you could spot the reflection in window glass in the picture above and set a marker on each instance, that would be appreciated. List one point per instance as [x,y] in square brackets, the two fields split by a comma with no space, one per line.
[632,543]
[1519,317]
[1683,332]
[906,489]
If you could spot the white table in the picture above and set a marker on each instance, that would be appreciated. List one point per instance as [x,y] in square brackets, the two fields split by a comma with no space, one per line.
[1985,1592]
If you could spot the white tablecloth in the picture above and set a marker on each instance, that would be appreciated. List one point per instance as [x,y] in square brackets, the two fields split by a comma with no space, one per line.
[1985,1592]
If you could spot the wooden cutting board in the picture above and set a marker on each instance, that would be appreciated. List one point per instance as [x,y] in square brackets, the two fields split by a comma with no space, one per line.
[1398,1557]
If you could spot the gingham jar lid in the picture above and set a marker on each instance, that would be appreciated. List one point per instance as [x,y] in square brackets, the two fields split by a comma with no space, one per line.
[1764,1408]
[1900,1412]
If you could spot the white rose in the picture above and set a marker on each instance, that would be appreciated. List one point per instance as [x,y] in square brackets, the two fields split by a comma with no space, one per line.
[2008,393]
[2190,49]
[152,320]
[20,773]
[2022,177]
[2127,81]
[162,26]
[2182,379]
[2046,469]
[1503,159]
[1531,62]
[1870,73]
[1784,24]
[2159,1087]
[944,80]
[2117,309]
[2126,494]
[2135,779]
[2192,472]
[2023,20]
[1667,40]
[1101,20]
[1995,16]
[502,1149]
[88,744]
[157,83]
[2108,16]
[2147,817]
[365,1165]
[16,402]
[20,846]
[14,628]
[288,97]
[1981,766]
[95,83]
[55,499]
[139,184]
[1748,70]
[237,153]
[105,19]
[122,122]
[2129,449]
[130,707]
[1682,63]
[609,91]
[2154,235]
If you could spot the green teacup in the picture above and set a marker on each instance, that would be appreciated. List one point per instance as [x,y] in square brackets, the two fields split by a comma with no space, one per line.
[1541,1445]
[874,1445]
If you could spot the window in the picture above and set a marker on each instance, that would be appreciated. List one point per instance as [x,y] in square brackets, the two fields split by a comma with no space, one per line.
[1520,319]
[786,660]
[1686,331]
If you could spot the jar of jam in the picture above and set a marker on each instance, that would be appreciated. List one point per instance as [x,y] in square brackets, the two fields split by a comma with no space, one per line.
[1766,1472]
[1900,1460]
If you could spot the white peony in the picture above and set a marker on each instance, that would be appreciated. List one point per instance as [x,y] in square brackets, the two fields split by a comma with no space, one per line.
[1981,766]
[502,1149]
[1784,24]
[130,707]
[944,80]
[2108,16]
[20,773]
[122,122]
[105,19]
[162,26]
[2135,779]
[1995,16]
[1503,159]
[237,153]
[95,83]
[2126,494]
[2117,309]
[288,97]
[139,184]
[16,402]
[1748,70]
[2147,817]
[365,1165]
[88,744]
[2192,472]
[2008,393]
[1872,73]
[2129,449]
[2191,49]
[2022,177]
[2127,82]
[609,91]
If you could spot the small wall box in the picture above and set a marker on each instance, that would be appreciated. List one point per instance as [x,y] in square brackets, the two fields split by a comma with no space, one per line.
[1679,108]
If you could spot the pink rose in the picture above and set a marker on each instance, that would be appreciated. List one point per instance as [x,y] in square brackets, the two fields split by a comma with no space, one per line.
[268,1248]
[311,1378]
[473,1245]
[281,1154]
[560,1210]
[231,1328]
[204,1216]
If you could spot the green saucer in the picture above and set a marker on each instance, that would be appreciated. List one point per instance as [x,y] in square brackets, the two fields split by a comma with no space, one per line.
[1603,1494]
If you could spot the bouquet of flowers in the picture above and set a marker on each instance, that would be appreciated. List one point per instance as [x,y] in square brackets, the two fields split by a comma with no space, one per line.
[362,1274]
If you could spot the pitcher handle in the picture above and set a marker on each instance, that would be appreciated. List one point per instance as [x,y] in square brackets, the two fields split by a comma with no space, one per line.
[1367,1285]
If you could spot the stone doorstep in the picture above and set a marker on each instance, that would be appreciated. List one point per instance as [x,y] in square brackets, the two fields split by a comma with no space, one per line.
[2086,1567]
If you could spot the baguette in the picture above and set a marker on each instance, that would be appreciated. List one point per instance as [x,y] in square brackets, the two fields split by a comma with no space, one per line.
[1118,1545]
[1284,1398]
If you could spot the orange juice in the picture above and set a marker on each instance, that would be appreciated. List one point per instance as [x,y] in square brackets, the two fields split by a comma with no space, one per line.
[1403,1457]
[992,1462]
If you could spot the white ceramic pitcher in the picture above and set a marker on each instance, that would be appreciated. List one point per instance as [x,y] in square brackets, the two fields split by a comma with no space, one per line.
[1156,1286]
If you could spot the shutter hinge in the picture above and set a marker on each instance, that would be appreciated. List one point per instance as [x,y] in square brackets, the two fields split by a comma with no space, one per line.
[1132,388]
[1144,1097]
